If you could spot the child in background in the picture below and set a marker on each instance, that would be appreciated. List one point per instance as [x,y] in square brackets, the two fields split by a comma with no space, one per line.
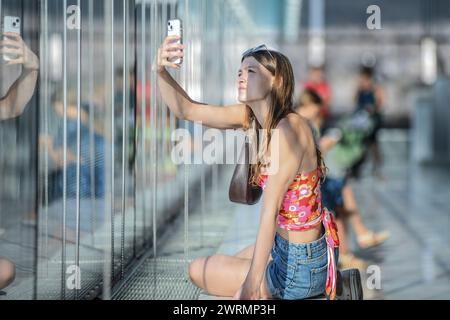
[337,194]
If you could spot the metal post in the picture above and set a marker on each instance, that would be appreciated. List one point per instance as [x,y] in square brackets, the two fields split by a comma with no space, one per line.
[124,127]
[63,254]
[113,133]
[143,119]
[92,154]
[77,231]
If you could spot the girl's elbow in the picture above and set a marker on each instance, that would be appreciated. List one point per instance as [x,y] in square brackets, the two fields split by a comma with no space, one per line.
[184,115]
[186,112]
[181,115]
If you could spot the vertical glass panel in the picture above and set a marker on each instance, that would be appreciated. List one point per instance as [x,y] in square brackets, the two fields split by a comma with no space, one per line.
[88,183]
[88,82]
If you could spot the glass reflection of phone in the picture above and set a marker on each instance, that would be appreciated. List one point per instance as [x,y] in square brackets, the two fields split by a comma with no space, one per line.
[11,24]
[174,28]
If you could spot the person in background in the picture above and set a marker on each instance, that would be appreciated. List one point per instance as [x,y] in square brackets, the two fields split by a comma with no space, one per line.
[54,145]
[13,104]
[337,194]
[370,97]
[316,81]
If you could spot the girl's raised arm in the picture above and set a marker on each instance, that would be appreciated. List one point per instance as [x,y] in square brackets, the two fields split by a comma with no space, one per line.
[178,101]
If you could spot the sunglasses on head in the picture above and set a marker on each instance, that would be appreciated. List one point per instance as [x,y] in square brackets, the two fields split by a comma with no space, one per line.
[261,47]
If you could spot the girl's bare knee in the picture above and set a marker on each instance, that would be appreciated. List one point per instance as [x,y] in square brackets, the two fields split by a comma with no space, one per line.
[196,270]
[7,273]
[192,270]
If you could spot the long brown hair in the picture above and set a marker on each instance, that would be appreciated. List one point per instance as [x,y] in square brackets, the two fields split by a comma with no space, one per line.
[281,104]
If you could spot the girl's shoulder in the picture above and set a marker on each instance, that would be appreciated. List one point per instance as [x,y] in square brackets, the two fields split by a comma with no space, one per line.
[296,129]
[295,123]
[292,120]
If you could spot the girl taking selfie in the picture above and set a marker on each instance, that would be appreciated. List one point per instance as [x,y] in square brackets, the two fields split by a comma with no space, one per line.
[295,253]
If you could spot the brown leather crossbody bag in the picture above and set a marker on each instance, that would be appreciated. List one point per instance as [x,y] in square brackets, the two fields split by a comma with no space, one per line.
[241,191]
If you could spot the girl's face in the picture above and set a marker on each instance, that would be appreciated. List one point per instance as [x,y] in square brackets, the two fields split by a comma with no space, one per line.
[254,81]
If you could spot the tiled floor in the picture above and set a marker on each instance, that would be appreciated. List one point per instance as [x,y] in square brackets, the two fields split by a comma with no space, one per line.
[412,204]
[166,277]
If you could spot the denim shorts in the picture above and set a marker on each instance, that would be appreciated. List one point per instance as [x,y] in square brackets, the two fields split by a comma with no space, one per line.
[298,270]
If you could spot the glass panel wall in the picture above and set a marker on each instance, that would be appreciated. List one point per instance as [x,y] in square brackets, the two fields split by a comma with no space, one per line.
[88,184]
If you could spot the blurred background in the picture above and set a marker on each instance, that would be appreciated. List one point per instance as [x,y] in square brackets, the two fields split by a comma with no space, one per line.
[87,184]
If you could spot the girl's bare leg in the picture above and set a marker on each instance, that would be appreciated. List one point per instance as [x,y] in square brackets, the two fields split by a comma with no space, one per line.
[7,273]
[247,252]
[223,275]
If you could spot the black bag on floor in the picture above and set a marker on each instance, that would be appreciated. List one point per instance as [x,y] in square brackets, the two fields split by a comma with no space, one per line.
[349,286]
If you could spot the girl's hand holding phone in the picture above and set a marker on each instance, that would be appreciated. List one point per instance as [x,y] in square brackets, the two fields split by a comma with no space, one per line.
[13,44]
[169,52]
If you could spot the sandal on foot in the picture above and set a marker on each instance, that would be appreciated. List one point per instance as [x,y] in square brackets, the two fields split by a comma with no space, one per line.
[372,239]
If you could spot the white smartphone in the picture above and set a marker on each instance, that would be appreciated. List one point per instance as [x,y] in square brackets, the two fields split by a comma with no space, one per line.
[11,24]
[174,28]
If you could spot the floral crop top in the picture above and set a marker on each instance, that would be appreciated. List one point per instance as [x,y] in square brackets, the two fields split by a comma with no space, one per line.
[302,204]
